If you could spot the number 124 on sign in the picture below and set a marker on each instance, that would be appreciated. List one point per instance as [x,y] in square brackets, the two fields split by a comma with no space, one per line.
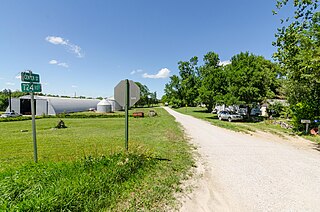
[30,87]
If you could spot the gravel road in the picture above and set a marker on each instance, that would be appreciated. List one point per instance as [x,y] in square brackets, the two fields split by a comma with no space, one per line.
[242,172]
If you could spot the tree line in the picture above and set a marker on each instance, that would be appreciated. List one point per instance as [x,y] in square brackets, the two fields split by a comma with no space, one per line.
[250,79]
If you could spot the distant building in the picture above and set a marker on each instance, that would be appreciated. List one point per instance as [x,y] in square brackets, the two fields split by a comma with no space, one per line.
[46,105]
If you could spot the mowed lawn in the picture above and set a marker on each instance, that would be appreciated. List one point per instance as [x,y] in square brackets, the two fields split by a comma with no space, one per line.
[85,137]
[245,126]
[238,126]
[82,137]
[165,158]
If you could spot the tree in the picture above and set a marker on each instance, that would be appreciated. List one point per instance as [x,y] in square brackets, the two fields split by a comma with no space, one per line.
[251,78]
[188,71]
[298,52]
[173,92]
[213,81]
[144,95]
[4,97]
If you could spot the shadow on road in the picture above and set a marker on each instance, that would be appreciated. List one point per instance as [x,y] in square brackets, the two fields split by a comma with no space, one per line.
[317,147]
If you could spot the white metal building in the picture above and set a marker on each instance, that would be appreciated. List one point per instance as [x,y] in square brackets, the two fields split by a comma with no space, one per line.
[52,105]
[114,104]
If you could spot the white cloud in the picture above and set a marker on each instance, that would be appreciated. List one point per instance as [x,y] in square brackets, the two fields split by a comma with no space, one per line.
[63,65]
[53,62]
[224,63]
[1,78]
[163,73]
[74,86]
[136,71]
[70,46]
[18,76]
[76,49]
[10,83]
[56,40]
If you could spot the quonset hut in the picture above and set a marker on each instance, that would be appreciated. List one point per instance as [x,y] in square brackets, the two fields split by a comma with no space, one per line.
[46,105]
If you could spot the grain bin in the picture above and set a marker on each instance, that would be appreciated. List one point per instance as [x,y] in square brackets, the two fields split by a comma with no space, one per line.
[104,106]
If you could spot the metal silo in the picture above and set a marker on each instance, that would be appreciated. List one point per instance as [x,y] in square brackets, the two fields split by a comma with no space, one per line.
[104,106]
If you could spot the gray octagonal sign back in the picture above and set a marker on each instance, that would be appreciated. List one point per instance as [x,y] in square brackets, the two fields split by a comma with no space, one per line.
[120,93]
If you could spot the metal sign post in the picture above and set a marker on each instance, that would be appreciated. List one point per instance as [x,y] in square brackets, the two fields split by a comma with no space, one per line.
[32,86]
[34,135]
[126,93]
[307,122]
[127,115]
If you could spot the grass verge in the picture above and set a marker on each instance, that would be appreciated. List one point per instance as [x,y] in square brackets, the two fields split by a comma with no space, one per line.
[239,126]
[83,167]
[246,127]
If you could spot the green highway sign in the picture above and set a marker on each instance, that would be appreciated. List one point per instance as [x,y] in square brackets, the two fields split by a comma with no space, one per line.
[28,77]
[30,87]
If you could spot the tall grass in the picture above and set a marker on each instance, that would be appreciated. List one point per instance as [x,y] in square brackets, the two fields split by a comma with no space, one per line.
[86,185]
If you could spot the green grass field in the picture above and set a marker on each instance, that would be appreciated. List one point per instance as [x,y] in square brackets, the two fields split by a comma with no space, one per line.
[84,167]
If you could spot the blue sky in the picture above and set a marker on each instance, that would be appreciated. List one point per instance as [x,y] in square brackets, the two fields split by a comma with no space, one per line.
[87,47]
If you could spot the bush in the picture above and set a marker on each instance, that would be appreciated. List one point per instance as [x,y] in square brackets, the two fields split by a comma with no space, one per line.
[19,118]
[277,108]
[301,111]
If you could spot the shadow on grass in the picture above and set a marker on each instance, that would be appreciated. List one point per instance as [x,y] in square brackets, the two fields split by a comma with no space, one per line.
[212,117]
[160,159]
[200,111]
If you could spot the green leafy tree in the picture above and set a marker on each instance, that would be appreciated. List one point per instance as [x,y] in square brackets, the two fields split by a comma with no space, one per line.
[173,92]
[251,78]
[298,52]
[213,81]
[144,95]
[4,97]
[188,71]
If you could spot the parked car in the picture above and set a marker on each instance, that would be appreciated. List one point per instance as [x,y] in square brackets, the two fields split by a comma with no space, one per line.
[230,116]
[9,114]
[255,112]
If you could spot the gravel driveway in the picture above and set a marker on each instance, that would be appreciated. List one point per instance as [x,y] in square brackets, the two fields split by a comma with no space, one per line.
[242,172]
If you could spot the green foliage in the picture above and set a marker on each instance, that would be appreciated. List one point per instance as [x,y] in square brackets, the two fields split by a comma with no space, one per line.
[251,78]
[90,115]
[188,71]
[277,109]
[248,79]
[87,185]
[5,95]
[301,110]
[159,158]
[19,118]
[147,98]
[183,89]
[173,92]
[298,43]
[213,81]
